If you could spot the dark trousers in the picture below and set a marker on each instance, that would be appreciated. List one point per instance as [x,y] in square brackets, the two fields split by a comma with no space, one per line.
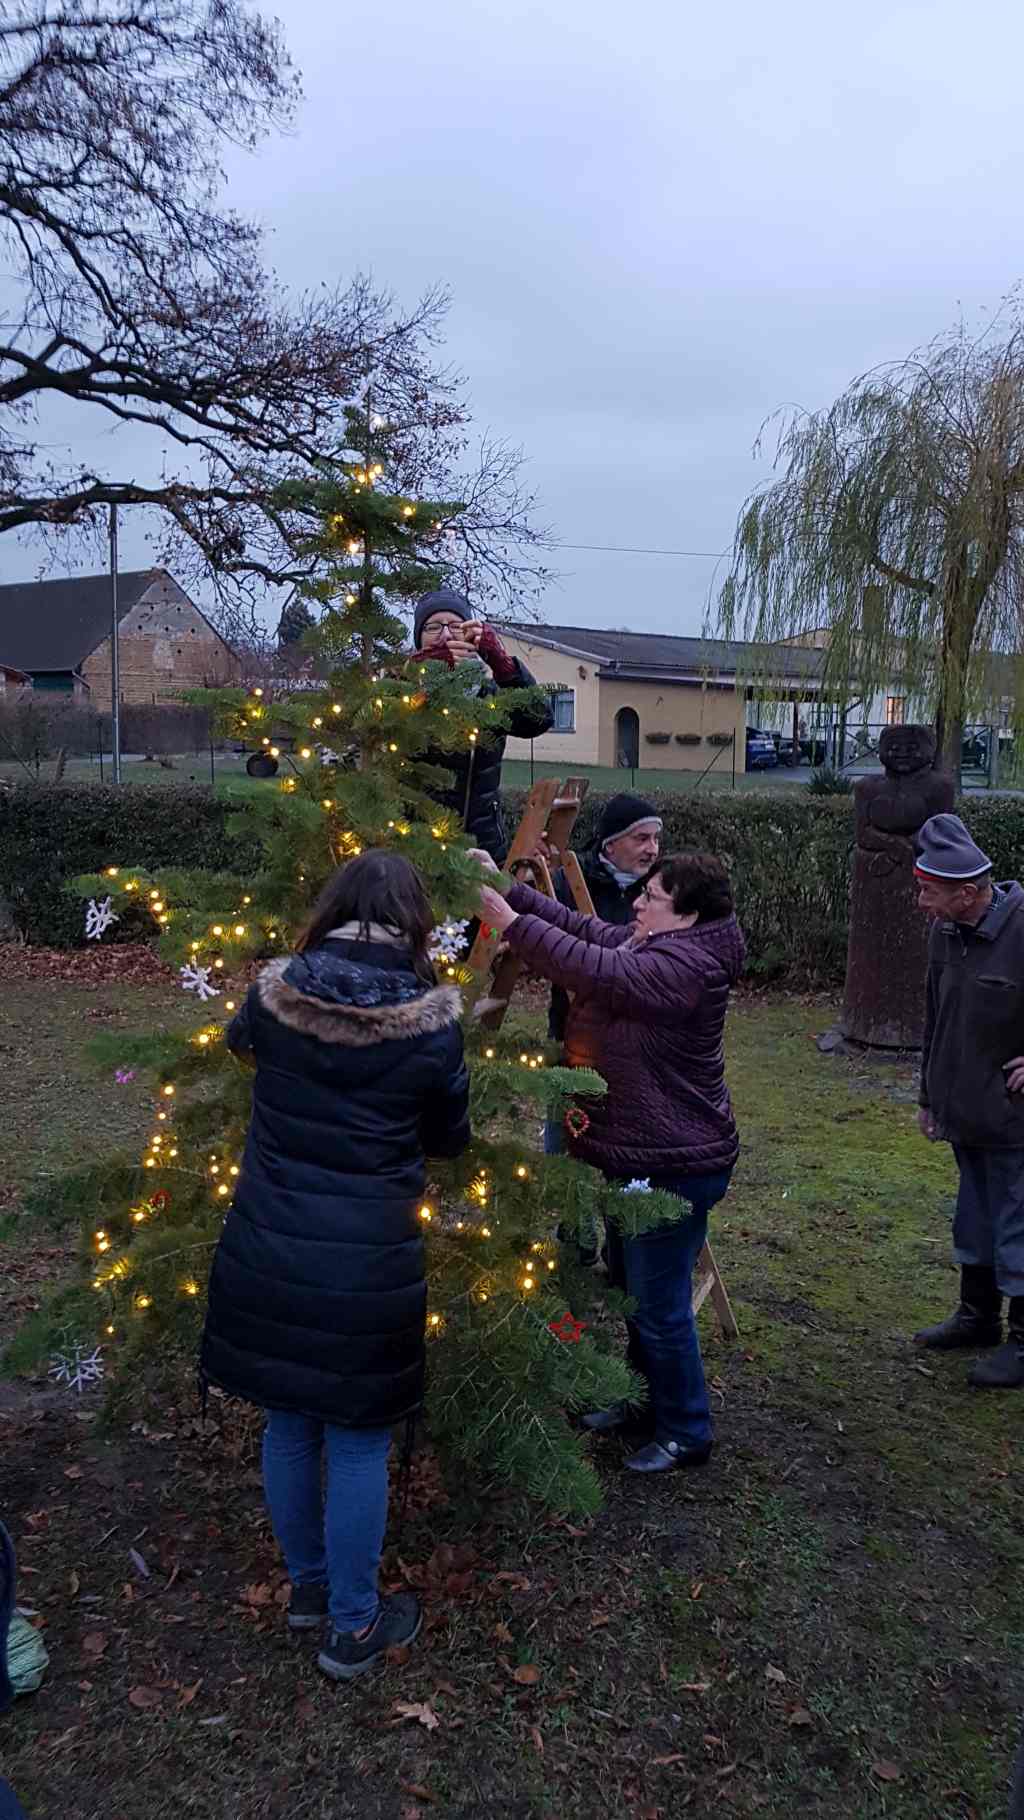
[656,1270]
[988,1226]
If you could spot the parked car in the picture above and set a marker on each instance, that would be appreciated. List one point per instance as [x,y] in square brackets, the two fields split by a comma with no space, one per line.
[761,753]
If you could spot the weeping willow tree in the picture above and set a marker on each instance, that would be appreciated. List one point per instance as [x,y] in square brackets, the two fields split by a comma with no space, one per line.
[896,528]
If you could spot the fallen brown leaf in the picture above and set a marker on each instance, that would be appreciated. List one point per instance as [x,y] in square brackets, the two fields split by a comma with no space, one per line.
[538,1739]
[886,1772]
[775,1674]
[188,1694]
[597,1618]
[94,1643]
[800,1716]
[72,1472]
[526,1674]
[663,1762]
[73,1582]
[144,1698]
[304,1710]
[502,1633]
[417,1789]
[420,1711]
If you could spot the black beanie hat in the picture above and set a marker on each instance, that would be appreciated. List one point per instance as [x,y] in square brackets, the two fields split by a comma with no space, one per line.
[441,600]
[623,813]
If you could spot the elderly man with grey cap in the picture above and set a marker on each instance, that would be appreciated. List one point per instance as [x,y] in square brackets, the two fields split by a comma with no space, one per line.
[972,1088]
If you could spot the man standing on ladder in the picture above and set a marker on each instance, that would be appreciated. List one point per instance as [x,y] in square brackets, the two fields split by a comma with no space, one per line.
[445,630]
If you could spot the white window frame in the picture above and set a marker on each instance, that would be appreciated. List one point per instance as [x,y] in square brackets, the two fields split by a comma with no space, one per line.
[563,693]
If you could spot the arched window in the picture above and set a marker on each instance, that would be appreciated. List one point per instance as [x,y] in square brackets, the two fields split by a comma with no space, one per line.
[627,738]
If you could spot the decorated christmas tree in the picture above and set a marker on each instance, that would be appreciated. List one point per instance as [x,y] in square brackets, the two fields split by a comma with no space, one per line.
[511,1356]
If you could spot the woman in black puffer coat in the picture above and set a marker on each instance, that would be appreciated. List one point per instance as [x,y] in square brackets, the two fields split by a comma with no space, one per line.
[317,1306]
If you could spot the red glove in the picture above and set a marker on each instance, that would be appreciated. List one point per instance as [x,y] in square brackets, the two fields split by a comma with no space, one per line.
[437,654]
[503,668]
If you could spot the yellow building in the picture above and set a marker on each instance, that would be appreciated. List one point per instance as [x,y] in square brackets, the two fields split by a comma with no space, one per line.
[651,701]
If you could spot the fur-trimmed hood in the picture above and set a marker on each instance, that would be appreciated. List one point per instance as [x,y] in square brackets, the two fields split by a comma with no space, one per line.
[352,1002]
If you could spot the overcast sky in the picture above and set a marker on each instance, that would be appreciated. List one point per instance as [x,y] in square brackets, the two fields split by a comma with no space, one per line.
[659,223]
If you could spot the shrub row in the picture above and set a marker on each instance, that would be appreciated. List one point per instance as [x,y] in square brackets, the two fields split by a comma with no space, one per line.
[788,854]
[51,832]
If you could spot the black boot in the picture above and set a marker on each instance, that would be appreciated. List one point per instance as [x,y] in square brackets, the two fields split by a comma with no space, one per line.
[977,1320]
[1005,1369]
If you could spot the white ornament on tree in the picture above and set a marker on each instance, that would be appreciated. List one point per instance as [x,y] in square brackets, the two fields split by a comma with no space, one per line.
[76,1368]
[448,940]
[197,979]
[98,917]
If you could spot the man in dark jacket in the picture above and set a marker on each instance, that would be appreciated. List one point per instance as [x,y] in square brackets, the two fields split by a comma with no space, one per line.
[444,628]
[972,1087]
[626,845]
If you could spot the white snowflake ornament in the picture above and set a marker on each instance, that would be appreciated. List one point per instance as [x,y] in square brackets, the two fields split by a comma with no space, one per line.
[197,979]
[636,1186]
[448,940]
[98,917]
[76,1368]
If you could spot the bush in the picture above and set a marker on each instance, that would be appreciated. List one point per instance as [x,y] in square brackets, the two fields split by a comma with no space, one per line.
[51,833]
[824,781]
[36,727]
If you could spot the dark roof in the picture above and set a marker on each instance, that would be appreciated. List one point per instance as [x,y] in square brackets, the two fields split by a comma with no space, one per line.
[56,625]
[665,657]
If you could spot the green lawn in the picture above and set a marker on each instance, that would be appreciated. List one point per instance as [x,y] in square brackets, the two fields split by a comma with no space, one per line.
[518,773]
[828,1621]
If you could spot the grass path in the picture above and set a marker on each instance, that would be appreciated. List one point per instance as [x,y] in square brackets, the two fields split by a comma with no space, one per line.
[827,1622]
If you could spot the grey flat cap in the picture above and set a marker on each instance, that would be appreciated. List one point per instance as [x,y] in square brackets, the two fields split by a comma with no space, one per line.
[946,850]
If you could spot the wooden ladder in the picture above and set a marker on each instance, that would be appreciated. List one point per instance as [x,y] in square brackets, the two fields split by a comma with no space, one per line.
[550,814]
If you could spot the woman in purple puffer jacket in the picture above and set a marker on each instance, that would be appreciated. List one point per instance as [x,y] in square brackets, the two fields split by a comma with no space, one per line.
[652,998]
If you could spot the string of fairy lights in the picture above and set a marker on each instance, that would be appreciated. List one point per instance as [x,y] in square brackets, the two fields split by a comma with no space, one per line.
[242,934]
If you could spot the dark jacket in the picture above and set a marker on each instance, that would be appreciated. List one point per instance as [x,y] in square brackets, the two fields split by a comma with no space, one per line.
[613,903]
[475,793]
[317,1295]
[659,1010]
[974,1022]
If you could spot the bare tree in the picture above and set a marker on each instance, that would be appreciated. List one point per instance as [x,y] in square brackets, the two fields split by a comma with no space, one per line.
[137,293]
[898,527]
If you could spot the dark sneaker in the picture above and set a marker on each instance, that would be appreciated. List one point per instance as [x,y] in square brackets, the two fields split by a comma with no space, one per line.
[307,1607]
[345,1655]
[673,1456]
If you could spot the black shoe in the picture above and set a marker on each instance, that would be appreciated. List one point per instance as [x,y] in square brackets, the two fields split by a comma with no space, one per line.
[976,1322]
[307,1607]
[1004,1370]
[670,1456]
[345,1655]
[619,1418]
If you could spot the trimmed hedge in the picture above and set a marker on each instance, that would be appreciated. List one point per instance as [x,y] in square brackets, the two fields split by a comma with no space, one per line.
[788,854]
[50,833]
[789,857]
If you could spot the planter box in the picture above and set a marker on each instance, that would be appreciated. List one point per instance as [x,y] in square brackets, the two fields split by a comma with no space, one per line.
[657,739]
[687,739]
[720,739]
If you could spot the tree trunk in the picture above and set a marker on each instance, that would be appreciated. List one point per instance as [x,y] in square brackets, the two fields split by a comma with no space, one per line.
[959,619]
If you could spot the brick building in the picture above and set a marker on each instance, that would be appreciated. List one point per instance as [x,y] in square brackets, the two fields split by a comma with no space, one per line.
[58,633]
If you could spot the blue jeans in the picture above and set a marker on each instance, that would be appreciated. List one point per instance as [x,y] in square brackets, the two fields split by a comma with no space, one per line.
[656,1270]
[339,1545]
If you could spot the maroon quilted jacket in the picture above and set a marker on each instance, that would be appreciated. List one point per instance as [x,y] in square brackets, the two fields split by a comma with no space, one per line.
[654,1013]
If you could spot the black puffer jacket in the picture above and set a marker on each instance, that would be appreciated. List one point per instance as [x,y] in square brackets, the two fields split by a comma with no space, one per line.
[317,1295]
[613,903]
[475,793]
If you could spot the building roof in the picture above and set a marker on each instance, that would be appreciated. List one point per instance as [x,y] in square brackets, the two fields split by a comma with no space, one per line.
[664,657]
[56,625]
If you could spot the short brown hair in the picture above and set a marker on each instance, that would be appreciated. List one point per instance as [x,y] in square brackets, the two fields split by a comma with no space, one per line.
[695,881]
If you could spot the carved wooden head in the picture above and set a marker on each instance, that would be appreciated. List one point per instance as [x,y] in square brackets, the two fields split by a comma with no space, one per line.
[904,750]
